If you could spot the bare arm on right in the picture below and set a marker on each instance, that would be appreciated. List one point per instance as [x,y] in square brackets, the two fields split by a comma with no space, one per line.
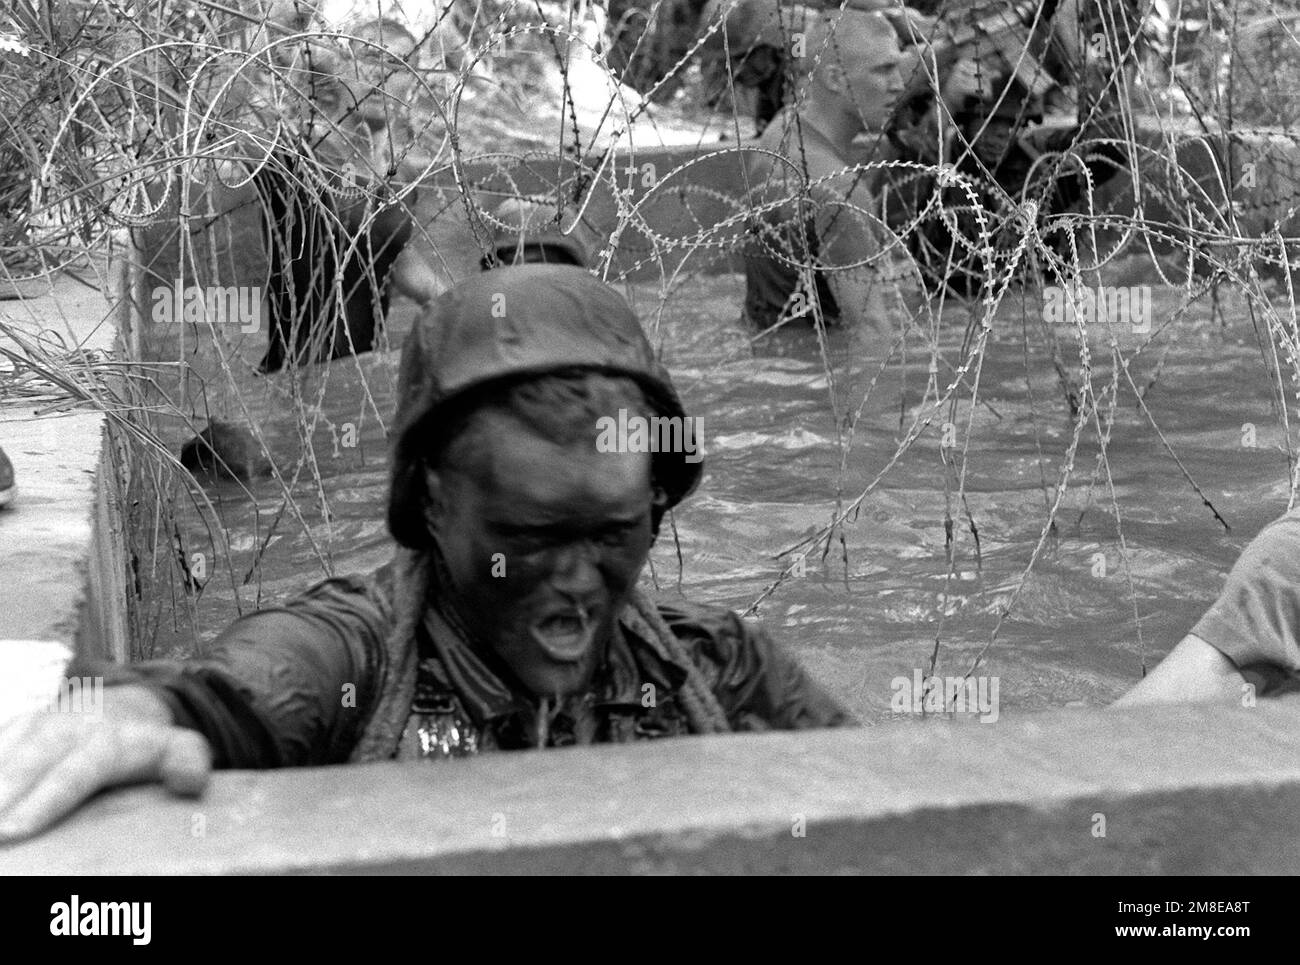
[1249,640]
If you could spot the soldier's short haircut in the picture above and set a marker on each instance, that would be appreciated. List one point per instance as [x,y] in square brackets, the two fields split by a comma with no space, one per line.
[562,407]
[827,40]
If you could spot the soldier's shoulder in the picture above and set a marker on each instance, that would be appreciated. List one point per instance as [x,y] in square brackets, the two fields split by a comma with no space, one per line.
[370,591]
[1278,538]
[787,150]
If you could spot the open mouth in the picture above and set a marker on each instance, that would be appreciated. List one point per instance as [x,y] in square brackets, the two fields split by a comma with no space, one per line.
[564,636]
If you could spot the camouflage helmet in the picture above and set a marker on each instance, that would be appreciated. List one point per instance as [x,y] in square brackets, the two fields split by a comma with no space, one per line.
[1009,99]
[508,325]
[520,224]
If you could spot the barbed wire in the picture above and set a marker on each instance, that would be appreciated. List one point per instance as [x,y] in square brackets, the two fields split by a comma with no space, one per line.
[137,118]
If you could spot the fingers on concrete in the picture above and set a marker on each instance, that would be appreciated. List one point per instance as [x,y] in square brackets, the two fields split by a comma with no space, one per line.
[186,764]
[64,760]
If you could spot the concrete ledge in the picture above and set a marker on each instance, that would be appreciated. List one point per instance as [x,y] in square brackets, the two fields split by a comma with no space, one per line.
[47,537]
[1189,789]
[62,556]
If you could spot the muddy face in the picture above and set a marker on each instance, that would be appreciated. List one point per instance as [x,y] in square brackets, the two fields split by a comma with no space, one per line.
[543,544]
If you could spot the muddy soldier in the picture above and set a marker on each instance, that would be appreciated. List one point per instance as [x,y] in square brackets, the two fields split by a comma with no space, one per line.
[510,616]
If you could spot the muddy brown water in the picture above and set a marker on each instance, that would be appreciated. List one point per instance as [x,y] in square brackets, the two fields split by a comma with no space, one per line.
[884,602]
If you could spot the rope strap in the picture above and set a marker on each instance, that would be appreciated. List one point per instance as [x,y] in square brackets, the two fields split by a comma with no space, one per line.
[703,712]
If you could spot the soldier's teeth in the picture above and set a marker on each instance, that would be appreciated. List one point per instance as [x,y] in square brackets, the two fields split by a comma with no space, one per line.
[562,624]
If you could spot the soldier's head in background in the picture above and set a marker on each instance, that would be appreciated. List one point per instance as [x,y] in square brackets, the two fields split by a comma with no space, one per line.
[384,55]
[529,231]
[848,64]
[990,124]
[766,40]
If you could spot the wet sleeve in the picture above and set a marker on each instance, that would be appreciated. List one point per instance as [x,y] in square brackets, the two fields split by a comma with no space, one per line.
[756,680]
[285,686]
[1256,618]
